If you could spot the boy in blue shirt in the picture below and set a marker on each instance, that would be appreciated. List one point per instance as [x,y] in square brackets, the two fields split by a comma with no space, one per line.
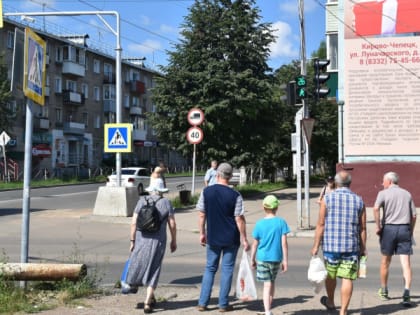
[269,249]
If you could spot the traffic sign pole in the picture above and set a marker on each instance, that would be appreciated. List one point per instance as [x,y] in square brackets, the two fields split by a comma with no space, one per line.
[193,172]
[194,136]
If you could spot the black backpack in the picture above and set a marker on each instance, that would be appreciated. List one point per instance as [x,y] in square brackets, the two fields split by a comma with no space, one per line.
[148,218]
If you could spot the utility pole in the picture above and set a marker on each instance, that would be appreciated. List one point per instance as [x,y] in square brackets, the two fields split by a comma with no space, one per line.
[305,223]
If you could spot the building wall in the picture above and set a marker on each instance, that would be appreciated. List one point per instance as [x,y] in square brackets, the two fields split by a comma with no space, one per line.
[73,131]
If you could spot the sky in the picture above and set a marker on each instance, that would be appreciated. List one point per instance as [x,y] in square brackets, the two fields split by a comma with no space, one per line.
[149,28]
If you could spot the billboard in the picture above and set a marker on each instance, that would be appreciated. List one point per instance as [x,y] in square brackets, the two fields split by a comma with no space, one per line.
[382,78]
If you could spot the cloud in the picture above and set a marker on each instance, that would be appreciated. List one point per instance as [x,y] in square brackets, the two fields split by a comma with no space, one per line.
[164,28]
[146,47]
[283,44]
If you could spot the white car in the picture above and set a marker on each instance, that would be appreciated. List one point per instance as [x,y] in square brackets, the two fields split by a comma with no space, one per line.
[138,177]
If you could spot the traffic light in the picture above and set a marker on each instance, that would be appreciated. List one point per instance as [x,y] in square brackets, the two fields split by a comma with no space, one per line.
[320,78]
[290,91]
[301,87]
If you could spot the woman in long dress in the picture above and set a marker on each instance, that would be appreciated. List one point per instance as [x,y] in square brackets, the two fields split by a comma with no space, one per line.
[147,249]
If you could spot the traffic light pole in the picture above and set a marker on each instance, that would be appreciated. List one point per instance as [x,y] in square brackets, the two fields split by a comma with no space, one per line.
[304,220]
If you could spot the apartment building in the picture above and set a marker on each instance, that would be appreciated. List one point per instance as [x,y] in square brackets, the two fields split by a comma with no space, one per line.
[68,130]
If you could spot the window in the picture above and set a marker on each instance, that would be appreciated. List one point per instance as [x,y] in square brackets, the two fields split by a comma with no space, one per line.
[98,122]
[136,101]
[126,101]
[47,80]
[109,91]
[10,39]
[85,90]
[138,123]
[96,93]
[332,49]
[71,85]
[85,117]
[96,66]
[58,115]
[44,111]
[86,63]
[59,54]
[153,108]
[108,70]
[57,85]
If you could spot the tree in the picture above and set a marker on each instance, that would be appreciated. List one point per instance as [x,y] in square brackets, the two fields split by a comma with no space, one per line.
[6,122]
[219,66]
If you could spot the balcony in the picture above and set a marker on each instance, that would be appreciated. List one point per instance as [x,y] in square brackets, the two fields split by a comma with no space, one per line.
[110,106]
[137,87]
[135,110]
[73,98]
[73,128]
[41,123]
[139,135]
[73,68]
[109,78]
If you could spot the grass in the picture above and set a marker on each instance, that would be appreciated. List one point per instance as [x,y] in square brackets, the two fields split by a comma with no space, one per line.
[46,295]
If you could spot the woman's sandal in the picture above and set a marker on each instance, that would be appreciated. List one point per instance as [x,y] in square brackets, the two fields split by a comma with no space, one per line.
[324,301]
[153,302]
[147,309]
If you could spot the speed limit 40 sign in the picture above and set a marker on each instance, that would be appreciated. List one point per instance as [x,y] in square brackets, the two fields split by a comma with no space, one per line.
[195,135]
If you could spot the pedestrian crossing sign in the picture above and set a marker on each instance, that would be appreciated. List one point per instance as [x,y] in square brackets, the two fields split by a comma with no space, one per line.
[118,137]
[34,67]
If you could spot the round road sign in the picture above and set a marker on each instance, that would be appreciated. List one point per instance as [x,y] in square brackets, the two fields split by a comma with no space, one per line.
[195,116]
[195,135]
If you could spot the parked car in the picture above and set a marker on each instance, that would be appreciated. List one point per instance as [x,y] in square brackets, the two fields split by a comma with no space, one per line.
[138,177]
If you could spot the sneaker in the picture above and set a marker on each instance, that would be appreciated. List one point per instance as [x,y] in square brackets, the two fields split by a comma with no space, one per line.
[383,294]
[406,300]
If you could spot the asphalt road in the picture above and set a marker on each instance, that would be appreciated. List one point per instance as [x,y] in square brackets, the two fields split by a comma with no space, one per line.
[72,196]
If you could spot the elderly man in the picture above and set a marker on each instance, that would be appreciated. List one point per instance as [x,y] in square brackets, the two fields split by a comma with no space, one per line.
[395,231]
[221,209]
[342,228]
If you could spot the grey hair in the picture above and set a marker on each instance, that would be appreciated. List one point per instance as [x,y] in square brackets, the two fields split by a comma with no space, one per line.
[343,179]
[224,175]
[393,177]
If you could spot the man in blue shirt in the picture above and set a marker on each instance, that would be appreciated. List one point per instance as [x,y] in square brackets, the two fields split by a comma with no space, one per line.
[210,177]
[221,211]
[342,228]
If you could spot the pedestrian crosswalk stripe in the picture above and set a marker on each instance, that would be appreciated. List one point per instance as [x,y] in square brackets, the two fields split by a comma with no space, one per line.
[117,139]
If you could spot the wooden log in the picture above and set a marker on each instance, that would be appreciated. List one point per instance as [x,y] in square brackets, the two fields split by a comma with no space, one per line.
[42,272]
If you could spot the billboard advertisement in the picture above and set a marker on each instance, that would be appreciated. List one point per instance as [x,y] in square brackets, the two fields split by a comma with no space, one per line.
[382,78]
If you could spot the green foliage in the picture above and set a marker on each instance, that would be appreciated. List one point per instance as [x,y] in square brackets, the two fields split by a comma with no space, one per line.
[46,295]
[6,120]
[219,66]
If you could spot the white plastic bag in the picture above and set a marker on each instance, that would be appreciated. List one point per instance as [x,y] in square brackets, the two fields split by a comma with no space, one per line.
[317,273]
[245,284]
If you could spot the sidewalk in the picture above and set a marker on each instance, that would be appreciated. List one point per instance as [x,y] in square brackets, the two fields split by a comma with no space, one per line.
[54,233]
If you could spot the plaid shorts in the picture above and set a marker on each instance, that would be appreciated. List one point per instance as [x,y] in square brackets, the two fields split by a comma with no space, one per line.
[342,265]
[267,270]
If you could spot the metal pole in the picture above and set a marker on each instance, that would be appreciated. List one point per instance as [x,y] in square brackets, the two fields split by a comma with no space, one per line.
[4,157]
[298,119]
[340,131]
[306,115]
[118,94]
[26,198]
[193,172]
